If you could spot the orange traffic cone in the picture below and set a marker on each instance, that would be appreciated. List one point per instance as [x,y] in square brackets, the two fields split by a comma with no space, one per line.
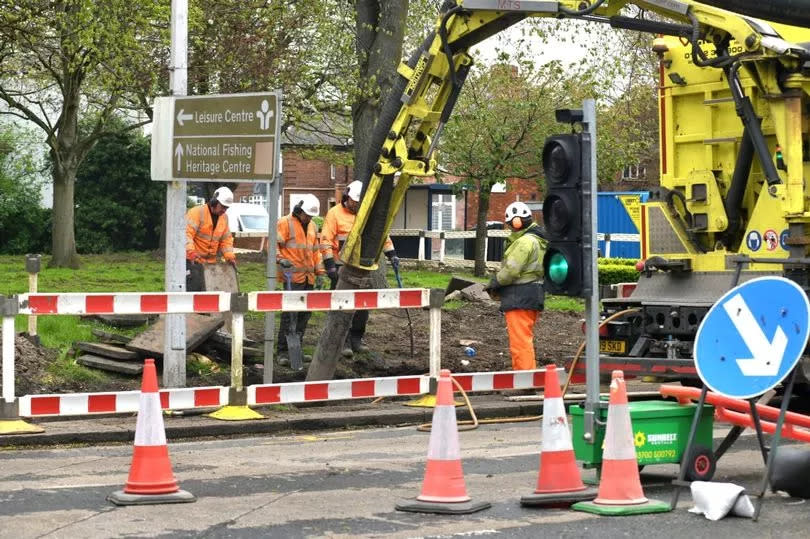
[443,490]
[620,485]
[559,481]
[150,476]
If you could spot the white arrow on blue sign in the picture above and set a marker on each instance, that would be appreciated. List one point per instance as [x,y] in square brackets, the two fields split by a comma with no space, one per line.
[752,337]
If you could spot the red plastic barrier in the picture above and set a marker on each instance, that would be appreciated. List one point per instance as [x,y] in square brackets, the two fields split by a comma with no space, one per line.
[738,412]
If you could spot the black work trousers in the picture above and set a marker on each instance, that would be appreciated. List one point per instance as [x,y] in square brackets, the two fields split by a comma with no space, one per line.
[359,320]
[301,321]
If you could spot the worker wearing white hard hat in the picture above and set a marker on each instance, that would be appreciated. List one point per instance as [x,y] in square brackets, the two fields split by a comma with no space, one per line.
[519,283]
[336,227]
[208,236]
[300,263]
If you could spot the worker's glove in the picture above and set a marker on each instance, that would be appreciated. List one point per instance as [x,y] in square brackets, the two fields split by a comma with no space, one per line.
[331,269]
[285,264]
[193,256]
[492,287]
[393,259]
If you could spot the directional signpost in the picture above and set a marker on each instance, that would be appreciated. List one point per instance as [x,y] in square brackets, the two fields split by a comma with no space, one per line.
[752,337]
[216,137]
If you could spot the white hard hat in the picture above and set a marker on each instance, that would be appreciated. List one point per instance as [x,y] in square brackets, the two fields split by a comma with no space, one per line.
[517,209]
[311,205]
[354,189]
[224,196]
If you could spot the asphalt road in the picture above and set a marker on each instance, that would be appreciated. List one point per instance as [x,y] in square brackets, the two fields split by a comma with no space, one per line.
[345,484]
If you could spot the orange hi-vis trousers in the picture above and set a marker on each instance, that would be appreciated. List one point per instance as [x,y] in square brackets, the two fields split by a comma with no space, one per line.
[520,326]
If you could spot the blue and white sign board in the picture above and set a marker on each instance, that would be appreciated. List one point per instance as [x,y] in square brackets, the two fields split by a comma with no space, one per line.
[751,339]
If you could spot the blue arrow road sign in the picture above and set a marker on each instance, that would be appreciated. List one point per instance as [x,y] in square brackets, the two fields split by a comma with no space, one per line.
[752,337]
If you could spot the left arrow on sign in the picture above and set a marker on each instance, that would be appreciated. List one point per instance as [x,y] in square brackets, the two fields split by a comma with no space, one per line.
[766,356]
[178,151]
[183,117]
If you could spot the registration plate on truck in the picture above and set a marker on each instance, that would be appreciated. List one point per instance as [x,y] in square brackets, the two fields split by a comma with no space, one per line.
[612,347]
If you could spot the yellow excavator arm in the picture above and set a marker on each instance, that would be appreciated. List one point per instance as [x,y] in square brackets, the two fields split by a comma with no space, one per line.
[419,106]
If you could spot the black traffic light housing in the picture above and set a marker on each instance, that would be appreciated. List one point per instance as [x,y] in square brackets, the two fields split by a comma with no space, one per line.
[566,210]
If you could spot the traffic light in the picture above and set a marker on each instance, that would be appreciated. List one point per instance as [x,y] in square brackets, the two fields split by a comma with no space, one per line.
[566,214]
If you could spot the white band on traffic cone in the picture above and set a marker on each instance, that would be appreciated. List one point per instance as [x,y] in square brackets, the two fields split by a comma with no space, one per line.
[619,434]
[556,436]
[444,435]
[149,427]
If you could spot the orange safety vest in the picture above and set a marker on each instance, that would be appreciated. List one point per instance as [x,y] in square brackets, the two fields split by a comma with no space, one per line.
[202,237]
[336,227]
[300,248]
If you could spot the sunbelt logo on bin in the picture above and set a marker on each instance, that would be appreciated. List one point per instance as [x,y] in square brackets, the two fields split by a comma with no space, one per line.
[655,439]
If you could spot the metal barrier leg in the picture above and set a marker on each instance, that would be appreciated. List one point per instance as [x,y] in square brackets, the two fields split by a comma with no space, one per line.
[237,409]
[680,482]
[435,345]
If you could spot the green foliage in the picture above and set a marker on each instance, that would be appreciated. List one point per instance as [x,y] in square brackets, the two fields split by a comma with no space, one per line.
[564,303]
[118,206]
[615,273]
[617,261]
[24,225]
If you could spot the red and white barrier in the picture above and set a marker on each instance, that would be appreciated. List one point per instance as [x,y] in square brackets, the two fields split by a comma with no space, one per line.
[125,303]
[337,390]
[77,404]
[73,404]
[339,300]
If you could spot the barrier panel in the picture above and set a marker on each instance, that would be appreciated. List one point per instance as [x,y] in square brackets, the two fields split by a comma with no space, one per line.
[77,404]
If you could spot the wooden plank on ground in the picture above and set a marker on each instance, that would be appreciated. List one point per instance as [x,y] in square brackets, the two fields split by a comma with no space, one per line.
[125,320]
[110,337]
[103,363]
[199,327]
[107,350]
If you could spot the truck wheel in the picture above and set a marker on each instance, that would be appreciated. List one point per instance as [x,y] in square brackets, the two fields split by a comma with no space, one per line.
[700,465]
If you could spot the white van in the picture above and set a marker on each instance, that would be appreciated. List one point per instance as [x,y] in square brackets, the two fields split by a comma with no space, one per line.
[244,217]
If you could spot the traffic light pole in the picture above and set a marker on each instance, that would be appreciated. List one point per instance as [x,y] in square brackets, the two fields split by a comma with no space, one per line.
[591,277]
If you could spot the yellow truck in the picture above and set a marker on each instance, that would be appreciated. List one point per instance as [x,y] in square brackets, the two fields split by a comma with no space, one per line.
[733,203]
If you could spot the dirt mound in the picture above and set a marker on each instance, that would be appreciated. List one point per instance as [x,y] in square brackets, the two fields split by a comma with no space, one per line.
[31,366]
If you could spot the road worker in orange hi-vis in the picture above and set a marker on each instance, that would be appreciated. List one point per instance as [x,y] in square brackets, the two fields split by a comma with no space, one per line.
[208,236]
[519,283]
[300,264]
[336,227]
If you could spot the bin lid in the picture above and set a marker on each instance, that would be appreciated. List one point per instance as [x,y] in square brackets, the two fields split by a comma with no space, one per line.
[651,409]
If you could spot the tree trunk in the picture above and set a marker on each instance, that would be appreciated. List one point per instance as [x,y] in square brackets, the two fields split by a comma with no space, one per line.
[336,327]
[481,233]
[380,28]
[63,247]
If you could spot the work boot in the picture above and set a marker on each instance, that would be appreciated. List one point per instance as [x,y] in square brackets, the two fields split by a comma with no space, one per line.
[347,351]
[358,345]
[283,359]
[307,358]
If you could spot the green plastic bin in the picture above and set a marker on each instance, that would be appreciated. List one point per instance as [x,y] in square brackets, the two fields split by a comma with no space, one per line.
[660,434]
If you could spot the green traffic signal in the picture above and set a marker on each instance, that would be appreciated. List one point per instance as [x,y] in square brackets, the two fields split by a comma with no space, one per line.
[557,268]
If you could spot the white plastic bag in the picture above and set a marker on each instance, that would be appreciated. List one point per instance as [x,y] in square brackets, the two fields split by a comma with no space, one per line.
[716,500]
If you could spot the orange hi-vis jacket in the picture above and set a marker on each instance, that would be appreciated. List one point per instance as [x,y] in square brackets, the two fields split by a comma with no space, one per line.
[336,227]
[202,237]
[300,248]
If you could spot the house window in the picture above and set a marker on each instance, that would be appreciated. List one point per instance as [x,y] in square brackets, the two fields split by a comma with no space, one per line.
[332,171]
[634,172]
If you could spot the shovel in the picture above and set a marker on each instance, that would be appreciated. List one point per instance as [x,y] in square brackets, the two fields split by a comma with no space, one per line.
[293,339]
[407,312]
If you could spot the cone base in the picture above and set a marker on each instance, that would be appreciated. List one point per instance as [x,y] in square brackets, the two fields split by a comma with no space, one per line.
[443,508]
[650,506]
[558,498]
[122,498]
